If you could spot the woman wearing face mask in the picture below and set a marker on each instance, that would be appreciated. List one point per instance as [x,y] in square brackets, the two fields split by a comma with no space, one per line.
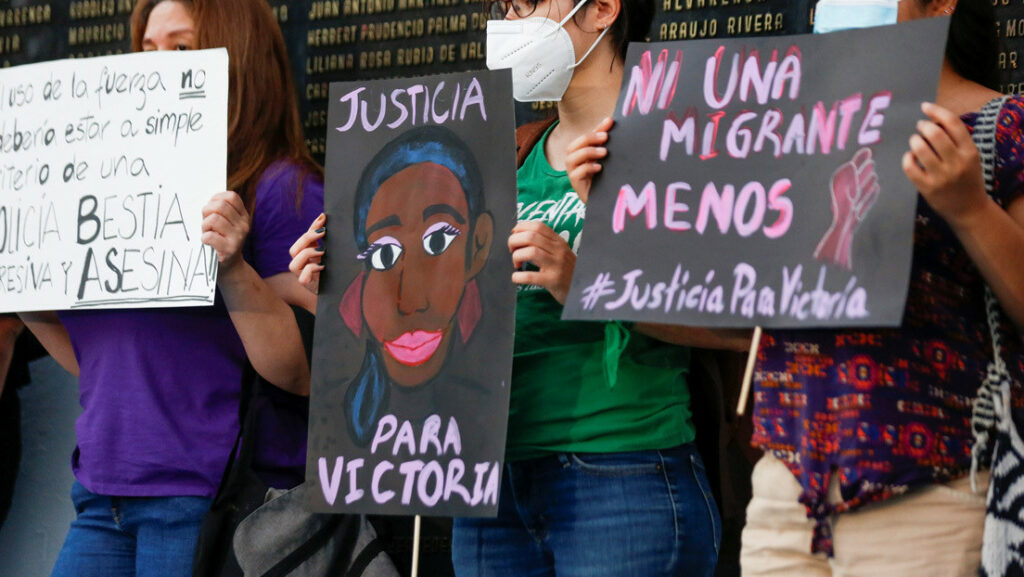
[602,475]
[160,387]
[881,485]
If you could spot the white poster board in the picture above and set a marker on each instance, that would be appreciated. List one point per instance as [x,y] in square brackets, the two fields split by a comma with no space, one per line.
[105,165]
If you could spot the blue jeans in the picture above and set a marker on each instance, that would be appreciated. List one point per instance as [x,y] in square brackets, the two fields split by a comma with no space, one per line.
[131,536]
[644,514]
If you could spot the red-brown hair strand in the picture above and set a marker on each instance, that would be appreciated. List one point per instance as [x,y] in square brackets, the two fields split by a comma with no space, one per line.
[263,112]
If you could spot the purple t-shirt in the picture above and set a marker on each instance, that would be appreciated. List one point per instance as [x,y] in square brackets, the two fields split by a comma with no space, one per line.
[159,388]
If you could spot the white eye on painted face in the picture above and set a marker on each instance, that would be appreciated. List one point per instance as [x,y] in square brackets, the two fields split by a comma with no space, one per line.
[439,237]
[383,253]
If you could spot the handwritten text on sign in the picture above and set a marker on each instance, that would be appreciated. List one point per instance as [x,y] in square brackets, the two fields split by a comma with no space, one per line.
[758,182]
[105,165]
[433,473]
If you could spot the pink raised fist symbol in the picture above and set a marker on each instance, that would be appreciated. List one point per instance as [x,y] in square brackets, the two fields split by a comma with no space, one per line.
[854,191]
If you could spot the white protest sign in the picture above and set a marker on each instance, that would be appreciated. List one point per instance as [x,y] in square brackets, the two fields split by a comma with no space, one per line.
[105,165]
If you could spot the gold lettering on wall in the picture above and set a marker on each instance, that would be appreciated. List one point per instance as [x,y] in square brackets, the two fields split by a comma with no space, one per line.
[10,44]
[1008,60]
[98,34]
[687,5]
[281,13]
[85,9]
[707,28]
[743,25]
[25,15]
[764,23]
[324,63]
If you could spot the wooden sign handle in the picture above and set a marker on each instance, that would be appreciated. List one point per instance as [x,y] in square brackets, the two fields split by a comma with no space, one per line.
[748,374]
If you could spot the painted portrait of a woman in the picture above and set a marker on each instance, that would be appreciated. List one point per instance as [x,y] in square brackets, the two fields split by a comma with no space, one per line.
[423,236]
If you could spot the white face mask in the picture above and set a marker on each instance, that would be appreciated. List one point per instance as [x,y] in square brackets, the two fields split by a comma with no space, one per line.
[540,53]
[832,15]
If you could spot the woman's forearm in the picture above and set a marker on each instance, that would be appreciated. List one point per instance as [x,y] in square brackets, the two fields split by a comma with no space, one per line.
[50,332]
[267,327]
[10,328]
[994,239]
[727,339]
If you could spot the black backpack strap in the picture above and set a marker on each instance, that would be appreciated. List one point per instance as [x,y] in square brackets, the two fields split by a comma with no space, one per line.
[315,543]
[240,459]
[241,452]
[365,557]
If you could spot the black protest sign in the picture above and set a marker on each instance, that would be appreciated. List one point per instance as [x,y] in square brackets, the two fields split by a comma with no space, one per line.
[758,181]
[413,348]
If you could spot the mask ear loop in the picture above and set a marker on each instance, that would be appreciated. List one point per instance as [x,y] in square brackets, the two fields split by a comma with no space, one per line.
[571,13]
[561,24]
[592,47]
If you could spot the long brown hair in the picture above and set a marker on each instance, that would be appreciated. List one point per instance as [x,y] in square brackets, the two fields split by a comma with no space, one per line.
[263,111]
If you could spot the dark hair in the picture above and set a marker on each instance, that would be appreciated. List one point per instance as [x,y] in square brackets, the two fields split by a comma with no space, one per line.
[973,47]
[633,24]
[263,111]
[367,396]
[434,144]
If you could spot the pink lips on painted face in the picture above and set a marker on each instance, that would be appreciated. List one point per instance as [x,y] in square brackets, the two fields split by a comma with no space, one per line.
[414,348]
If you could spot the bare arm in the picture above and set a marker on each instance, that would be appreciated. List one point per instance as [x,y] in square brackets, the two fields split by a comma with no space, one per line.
[994,239]
[259,308]
[726,339]
[50,333]
[10,328]
[265,323]
[945,166]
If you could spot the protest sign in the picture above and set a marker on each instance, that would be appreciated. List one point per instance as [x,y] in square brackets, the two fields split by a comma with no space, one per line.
[105,165]
[758,181]
[413,348]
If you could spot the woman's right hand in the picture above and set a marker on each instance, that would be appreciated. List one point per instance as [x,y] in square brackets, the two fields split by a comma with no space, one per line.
[307,253]
[582,160]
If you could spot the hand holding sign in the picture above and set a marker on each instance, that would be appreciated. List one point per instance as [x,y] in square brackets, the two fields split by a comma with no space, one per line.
[225,228]
[535,243]
[854,190]
[584,156]
[945,166]
[307,255]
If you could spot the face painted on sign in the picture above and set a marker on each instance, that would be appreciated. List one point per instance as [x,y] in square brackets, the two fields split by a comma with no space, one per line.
[423,237]
[416,269]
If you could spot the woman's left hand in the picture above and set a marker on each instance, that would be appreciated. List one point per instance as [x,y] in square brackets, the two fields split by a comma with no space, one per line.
[225,227]
[535,243]
[945,166]
[584,156]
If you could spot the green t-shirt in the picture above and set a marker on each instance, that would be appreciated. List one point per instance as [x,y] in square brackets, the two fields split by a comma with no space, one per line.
[586,386]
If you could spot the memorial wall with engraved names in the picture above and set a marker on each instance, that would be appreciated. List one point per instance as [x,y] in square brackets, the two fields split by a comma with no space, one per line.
[336,40]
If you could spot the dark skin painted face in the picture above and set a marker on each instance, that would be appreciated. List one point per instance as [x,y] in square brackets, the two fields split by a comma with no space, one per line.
[417,227]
